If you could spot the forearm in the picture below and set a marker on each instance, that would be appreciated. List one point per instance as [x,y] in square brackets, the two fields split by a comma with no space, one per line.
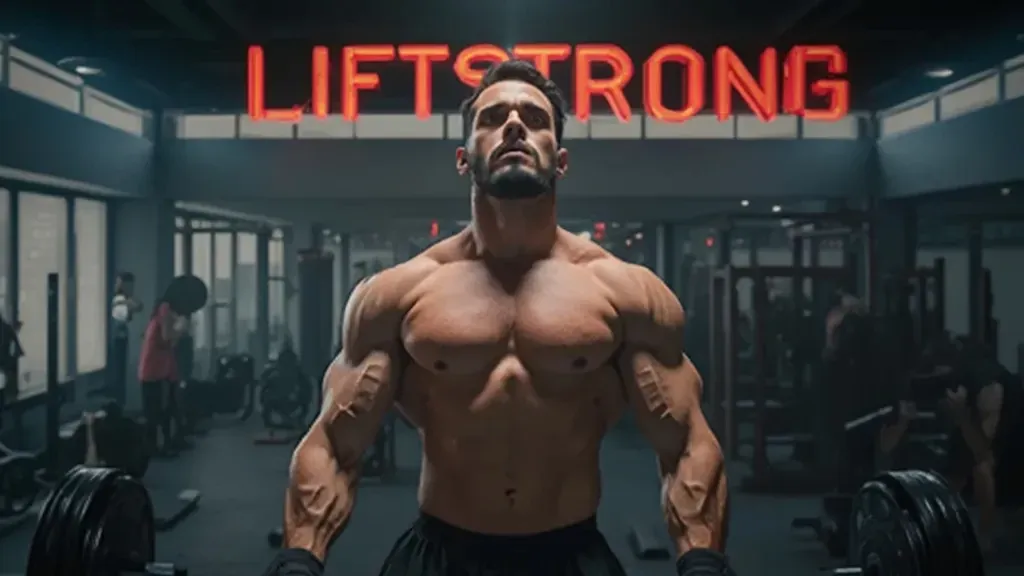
[321,494]
[695,497]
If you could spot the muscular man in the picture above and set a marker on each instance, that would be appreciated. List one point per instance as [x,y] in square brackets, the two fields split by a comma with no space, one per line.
[512,346]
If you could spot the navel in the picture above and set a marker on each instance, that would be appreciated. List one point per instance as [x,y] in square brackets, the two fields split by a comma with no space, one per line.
[579,363]
[440,366]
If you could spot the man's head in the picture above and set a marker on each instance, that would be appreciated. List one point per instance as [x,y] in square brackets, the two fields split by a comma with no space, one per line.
[125,283]
[513,125]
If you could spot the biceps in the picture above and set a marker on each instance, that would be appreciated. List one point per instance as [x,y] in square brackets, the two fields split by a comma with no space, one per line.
[357,396]
[666,400]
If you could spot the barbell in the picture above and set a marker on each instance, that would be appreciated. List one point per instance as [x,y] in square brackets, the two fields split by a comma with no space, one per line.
[99,521]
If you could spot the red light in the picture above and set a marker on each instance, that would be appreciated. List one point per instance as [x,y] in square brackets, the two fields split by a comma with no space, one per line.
[435,229]
[599,226]
[709,241]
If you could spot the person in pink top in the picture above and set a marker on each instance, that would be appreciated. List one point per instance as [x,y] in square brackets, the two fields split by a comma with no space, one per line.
[158,372]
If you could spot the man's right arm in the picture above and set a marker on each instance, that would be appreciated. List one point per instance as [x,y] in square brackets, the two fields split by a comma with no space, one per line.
[359,388]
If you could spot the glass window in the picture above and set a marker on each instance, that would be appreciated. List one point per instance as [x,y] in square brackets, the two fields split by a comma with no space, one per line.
[5,251]
[275,257]
[91,288]
[245,292]
[222,288]
[201,267]
[277,292]
[277,315]
[179,253]
[42,249]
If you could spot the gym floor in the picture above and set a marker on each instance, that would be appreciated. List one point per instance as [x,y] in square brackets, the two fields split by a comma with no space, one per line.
[242,486]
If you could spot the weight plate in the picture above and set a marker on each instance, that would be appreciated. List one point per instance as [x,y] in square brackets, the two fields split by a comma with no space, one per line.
[910,523]
[97,521]
[186,294]
[883,539]
[955,551]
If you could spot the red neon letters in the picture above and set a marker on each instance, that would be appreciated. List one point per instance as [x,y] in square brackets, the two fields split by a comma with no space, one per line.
[728,75]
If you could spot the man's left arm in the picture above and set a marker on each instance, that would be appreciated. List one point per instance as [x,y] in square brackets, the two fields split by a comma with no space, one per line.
[664,390]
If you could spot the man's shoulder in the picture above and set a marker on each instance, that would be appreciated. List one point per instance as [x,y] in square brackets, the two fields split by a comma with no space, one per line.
[638,293]
[624,277]
[388,287]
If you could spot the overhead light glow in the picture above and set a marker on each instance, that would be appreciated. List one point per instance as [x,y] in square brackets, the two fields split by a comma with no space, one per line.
[744,203]
[939,73]
[1005,191]
[87,71]
[776,208]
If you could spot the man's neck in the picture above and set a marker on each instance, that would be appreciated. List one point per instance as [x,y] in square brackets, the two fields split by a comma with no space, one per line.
[514,229]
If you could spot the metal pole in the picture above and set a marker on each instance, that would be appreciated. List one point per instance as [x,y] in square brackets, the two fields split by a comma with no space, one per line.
[53,394]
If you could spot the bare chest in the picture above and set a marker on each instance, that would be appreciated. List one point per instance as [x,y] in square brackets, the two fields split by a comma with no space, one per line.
[555,319]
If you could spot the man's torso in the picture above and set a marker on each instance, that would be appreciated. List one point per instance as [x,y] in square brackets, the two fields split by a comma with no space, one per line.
[511,380]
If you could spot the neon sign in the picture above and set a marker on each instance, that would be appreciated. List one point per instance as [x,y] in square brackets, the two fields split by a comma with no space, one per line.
[728,75]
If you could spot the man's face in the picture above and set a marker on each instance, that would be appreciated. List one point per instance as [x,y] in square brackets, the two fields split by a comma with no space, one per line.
[127,287]
[512,152]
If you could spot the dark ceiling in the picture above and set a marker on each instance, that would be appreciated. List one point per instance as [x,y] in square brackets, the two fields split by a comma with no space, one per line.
[190,54]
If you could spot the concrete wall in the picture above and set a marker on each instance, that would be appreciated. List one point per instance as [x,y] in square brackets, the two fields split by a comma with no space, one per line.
[225,170]
[977,149]
[70,150]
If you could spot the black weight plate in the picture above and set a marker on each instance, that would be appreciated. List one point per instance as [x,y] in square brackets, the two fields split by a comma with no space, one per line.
[186,294]
[916,535]
[883,539]
[43,552]
[77,516]
[97,521]
[938,543]
[959,552]
[123,534]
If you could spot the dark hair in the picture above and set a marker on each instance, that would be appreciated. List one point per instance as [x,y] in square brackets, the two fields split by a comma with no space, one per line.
[126,277]
[523,71]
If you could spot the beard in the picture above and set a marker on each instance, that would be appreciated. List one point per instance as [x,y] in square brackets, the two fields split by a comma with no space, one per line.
[511,181]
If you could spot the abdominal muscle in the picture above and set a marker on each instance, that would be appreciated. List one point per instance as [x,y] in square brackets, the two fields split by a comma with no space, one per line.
[522,465]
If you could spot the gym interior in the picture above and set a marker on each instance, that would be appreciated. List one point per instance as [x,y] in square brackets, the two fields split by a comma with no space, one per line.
[912,205]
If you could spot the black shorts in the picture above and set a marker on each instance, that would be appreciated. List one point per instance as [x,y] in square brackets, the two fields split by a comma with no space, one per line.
[432,547]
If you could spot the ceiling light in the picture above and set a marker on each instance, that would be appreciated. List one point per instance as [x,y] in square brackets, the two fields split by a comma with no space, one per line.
[1005,191]
[87,71]
[776,208]
[744,203]
[939,73]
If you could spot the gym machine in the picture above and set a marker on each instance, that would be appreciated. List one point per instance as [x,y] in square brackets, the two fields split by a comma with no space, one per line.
[915,309]
[99,521]
[806,341]
[727,408]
